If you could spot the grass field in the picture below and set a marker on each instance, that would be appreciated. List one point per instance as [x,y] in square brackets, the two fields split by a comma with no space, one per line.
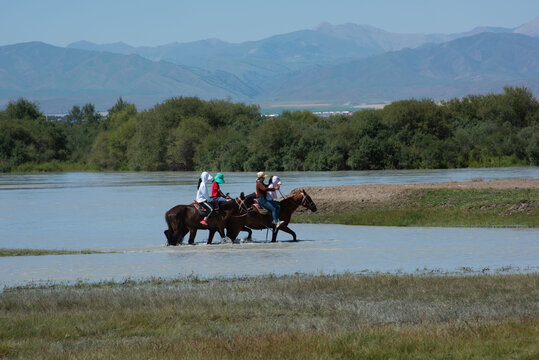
[39,252]
[301,317]
[443,207]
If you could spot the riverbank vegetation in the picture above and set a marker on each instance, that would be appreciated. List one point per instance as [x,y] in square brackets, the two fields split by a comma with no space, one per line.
[441,207]
[191,134]
[298,317]
[41,252]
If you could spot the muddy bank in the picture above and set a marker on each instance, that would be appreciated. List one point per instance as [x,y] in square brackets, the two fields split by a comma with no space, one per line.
[332,199]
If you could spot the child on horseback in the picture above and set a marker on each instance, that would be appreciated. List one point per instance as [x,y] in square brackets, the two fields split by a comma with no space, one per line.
[216,193]
[203,198]
[261,193]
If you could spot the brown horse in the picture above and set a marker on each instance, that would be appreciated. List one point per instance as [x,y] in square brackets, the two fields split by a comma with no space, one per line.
[260,222]
[183,219]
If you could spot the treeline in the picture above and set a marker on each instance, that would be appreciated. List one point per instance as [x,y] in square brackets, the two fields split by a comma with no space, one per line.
[192,134]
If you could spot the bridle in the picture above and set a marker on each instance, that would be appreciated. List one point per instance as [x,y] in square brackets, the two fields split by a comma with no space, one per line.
[306,201]
[241,206]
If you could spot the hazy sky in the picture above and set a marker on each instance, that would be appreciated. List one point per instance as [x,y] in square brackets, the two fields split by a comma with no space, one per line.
[156,22]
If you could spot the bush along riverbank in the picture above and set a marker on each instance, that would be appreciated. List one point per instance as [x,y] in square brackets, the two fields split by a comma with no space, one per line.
[187,133]
[325,317]
[433,207]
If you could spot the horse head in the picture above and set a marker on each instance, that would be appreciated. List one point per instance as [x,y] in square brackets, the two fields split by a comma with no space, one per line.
[305,200]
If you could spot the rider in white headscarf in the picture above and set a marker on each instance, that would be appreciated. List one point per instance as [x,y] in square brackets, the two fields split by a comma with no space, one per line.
[274,181]
[203,197]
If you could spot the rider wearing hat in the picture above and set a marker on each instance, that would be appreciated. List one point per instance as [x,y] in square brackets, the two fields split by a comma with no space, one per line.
[261,192]
[216,193]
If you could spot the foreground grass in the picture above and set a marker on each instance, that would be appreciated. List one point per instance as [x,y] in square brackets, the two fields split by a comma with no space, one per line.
[443,207]
[303,317]
[39,252]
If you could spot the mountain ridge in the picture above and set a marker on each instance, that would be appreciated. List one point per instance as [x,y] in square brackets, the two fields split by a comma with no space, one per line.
[346,63]
[480,63]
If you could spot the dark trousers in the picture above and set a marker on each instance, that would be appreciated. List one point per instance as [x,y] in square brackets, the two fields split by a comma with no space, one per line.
[208,207]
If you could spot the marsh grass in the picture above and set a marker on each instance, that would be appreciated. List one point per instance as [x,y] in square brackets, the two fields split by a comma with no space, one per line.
[443,207]
[302,316]
[41,252]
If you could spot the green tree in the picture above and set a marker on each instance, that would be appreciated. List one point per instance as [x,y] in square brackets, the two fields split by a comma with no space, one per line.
[270,144]
[23,109]
[184,143]
[110,148]
[120,105]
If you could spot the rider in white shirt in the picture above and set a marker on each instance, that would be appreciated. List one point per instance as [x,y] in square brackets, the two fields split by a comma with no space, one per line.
[203,197]
[274,181]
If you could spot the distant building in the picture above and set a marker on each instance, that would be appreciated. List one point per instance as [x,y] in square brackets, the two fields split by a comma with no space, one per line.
[327,114]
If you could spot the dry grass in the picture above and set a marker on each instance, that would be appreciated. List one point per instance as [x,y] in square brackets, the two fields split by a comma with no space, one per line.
[339,316]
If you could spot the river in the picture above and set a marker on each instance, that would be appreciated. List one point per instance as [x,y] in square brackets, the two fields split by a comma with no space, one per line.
[123,212]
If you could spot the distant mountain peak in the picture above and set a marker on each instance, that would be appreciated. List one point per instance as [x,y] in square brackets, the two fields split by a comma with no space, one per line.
[117,47]
[530,28]
[344,28]
[323,27]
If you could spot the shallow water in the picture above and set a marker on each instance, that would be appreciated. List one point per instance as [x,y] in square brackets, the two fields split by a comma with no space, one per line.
[321,249]
[124,212]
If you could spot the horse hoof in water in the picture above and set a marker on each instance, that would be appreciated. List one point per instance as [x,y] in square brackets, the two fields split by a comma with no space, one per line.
[226,240]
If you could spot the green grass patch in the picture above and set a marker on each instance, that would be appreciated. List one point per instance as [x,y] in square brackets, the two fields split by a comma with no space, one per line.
[40,252]
[52,166]
[302,317]
[444,207]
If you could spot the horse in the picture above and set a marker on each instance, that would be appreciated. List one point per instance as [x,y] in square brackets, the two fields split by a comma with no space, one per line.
[182,219]
[257,221]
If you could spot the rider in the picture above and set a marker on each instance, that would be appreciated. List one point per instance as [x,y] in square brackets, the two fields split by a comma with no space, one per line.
[274,181]
[202,195]
[216,193]
[261,193]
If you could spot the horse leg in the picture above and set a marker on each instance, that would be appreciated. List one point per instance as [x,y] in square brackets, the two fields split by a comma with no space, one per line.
[249,231]
[172,232]
[274,235]
[192,234]
[225,239]
[210,237]
[170,239]
[286,229]
[180,234]
[232,232]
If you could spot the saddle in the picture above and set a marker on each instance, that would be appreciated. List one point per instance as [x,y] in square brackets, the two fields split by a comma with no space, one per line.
[256,207]
[203,211]
[252,206]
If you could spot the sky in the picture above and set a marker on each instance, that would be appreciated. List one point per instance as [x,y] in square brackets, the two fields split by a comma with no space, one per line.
[158,22]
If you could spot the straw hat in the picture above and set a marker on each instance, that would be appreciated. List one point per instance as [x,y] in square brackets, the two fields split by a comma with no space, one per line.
[261,174]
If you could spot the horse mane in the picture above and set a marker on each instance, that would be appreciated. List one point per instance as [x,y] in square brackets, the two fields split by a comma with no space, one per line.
[291,196]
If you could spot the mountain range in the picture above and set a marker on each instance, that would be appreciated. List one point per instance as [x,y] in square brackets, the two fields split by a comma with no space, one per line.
[343,64]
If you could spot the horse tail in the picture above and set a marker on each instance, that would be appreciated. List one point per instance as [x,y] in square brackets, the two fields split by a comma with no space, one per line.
[176,229]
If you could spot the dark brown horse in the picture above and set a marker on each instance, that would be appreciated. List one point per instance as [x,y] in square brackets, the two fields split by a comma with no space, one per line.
[183,219]
[257,221]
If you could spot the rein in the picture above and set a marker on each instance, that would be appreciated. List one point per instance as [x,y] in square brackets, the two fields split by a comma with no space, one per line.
[241,205]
